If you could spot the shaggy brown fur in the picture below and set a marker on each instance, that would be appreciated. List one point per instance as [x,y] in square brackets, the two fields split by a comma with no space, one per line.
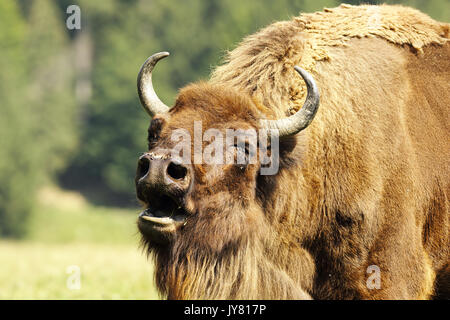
[367,183]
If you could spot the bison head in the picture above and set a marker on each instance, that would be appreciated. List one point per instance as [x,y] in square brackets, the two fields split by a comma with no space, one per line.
[203,191]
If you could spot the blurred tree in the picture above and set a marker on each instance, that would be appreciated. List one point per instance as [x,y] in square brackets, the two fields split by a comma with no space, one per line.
[17,170]
[37,123]
[50,89]
[112,121]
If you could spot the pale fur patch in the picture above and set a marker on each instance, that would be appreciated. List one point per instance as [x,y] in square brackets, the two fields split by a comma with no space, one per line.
[254,66]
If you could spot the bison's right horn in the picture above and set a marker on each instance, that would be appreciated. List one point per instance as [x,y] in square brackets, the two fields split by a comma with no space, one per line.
[147,94]
[300,120]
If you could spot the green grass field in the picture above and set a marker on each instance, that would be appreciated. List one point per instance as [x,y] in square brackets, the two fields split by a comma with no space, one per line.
[65,231]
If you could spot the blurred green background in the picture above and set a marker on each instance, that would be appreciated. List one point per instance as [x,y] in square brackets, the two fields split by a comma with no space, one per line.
[71,128]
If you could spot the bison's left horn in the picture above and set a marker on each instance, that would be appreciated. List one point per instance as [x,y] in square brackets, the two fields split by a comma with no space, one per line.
[300,120]
[147,94]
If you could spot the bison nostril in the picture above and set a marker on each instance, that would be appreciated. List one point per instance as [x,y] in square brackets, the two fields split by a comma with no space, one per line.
[176,171]
[143,167]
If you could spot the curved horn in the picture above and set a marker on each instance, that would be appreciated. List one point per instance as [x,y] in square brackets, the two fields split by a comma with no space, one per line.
[302,118]
[147,94]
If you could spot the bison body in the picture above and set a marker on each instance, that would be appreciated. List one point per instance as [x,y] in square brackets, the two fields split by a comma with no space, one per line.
[359,208]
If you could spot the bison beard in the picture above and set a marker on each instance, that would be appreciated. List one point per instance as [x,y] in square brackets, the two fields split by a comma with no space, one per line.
[226,266]
[367,184]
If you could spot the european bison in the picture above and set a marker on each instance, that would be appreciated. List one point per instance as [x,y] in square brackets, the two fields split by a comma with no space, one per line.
[357,203]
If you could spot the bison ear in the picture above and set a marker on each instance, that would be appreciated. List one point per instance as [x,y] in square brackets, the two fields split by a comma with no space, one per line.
[301,119]
[149,100]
